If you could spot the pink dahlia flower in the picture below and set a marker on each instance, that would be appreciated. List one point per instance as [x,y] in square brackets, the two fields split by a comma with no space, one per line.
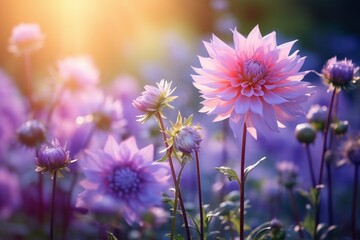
[122,179]
[25,37]
[257,82]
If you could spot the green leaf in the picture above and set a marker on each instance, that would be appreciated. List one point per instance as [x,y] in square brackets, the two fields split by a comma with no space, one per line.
[229,173]
[251,167]
[110,236]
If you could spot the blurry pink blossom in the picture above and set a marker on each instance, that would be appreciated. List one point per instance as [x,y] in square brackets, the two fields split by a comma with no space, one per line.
[25,38]
[257,82]
[78,72]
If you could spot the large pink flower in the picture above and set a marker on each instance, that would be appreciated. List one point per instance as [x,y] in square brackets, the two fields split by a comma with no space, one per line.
[257,82]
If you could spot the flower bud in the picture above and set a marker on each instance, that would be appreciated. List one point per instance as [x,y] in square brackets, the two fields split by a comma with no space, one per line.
[339,73]
[340,127]
[277,230]
[32,133]
[305,133]
[352,150]
[52,158]
[287,172]
[317,116]
[188,139]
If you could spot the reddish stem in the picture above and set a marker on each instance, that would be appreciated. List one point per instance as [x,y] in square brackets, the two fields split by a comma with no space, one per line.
[242,183]
[200,197]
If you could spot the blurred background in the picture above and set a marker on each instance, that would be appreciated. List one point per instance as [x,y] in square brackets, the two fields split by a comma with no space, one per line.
[142,37]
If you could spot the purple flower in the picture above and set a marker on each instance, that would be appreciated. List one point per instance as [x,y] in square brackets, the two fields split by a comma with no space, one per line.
[339,73]
[123,179]
[52,159]
[187,139]
[10,193]
[153,99]
[25,37]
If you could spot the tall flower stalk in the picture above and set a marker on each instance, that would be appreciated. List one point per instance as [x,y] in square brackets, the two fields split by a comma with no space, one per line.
[354,205]
[151,102]
[242,183]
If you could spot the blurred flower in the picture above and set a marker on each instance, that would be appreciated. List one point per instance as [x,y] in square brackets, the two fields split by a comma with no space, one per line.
[277,230]
[339,73]
[78,72]
[287,173]
[317,116]
[123,179]
[12,111]
[340,127]
[32,133]
[52,159]
[10,193]
[351,150]
[107,117]
[305,133]
[256,83]
[25,38]
[153,99]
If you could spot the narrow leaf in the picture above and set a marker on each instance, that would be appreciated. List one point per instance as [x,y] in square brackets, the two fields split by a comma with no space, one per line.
[251,167]
[229,173]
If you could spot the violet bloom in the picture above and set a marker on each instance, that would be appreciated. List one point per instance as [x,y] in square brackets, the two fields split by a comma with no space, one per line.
[123,179]
[10,193]
[256,83]
[78,72]
[52,159]
[154,99]
[188,139]
[339,73]
[26,38]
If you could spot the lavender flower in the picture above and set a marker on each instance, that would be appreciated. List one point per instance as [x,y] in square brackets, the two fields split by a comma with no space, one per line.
[339,73]
[188,139]
[53,158]
[123,179]
[153,99]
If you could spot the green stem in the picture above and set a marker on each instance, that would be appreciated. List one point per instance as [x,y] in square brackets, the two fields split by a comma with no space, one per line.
[313,181]
[328,121]
[242,185]
[169,151]
[200,197]
[296,213]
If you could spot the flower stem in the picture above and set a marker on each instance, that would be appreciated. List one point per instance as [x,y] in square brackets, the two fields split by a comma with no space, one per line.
[162,129]
[28,79]
[327,125]
[176,201]
[296,213]
[242,183]
[353,224]
[313,181]
[330,197]
[40,196]
[52,207]
[200,197]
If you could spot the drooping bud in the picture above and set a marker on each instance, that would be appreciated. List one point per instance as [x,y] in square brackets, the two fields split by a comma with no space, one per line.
[32,133]
[305,133]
